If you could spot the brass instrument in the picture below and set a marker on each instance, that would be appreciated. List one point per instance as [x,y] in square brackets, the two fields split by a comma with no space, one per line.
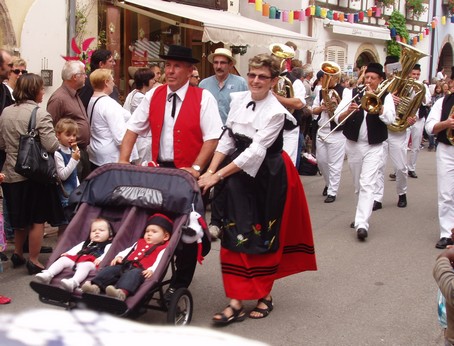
[449,133]
[360,91]
[410,91]
[331,72]
[284,86]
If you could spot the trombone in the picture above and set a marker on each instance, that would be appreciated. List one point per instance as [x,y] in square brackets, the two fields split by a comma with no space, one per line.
[323,138]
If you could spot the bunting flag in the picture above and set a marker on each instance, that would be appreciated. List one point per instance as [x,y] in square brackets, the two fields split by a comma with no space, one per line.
[290,15]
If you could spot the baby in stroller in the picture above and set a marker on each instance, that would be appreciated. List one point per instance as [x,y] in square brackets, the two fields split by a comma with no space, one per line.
[130,267]
[82,258]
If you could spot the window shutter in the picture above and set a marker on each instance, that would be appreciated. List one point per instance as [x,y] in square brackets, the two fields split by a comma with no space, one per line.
[337,54]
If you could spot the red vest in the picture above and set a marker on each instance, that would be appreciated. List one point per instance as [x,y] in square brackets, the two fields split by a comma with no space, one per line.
[187,134]
[139,252]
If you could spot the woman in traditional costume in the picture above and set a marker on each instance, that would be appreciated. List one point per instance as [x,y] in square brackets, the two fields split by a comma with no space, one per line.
[267,232]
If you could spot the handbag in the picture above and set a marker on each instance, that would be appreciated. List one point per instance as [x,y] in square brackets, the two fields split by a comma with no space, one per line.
[33,162]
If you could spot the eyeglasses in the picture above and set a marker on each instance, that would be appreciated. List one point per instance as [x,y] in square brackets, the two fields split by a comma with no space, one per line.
[79,73]
[261,77]
[198,77]
[17,71]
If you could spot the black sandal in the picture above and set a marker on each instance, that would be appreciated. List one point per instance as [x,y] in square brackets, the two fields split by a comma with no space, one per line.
[264,312]
[238,316]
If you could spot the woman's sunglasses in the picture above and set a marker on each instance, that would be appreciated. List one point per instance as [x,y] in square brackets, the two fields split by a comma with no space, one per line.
[17,71]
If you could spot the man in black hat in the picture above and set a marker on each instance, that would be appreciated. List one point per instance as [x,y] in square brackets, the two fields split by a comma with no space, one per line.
[365,134]
[185,126]
[396,147]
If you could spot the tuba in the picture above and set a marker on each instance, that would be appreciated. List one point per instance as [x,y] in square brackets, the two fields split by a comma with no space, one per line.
[284,86]
[410,91]
[331,72]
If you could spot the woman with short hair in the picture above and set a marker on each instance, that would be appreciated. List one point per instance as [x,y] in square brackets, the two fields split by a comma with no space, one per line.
[30,203]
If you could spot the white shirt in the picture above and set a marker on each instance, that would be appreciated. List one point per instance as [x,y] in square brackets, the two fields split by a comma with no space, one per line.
[434,116]
[299,91]
[262,125]
[65,171]
[210,120]
[108,127]
[133,101]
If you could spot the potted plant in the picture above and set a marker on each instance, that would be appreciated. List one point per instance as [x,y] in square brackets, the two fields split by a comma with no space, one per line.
[415,7]
[450,6]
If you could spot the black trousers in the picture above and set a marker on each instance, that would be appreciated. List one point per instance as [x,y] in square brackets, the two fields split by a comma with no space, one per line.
[129,279]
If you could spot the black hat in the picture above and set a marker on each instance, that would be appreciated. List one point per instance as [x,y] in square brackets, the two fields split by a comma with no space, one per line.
[391,59]
[160,220]
[179,53]
[417,67]
[375,67]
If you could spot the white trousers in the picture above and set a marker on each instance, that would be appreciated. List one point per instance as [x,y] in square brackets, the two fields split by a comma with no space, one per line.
[364,161]
[82,268]
[445,184]
[396,147]
[330,159]
[416,132]
[291,143]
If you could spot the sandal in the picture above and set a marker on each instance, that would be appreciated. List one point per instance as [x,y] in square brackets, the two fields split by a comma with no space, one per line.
[264,312]
[238,316]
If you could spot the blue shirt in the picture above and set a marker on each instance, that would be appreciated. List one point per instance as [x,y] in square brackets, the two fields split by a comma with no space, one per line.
[233,83]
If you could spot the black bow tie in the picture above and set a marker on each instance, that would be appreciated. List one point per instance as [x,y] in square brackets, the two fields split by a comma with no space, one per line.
[252,103]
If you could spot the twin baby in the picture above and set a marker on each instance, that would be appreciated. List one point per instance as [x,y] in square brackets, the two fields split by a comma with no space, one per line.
[128,269]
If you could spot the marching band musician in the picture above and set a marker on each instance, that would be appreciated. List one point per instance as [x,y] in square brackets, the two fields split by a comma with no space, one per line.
[330,152]
[295,103]
[416,131]
[365,134]
[439,121]
[396,147]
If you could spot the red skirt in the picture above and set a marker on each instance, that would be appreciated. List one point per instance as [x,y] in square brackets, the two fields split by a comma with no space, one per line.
[250,277]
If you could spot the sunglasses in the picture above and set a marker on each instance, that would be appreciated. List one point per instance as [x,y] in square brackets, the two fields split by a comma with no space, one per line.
[259,76]
[195,77]
[17,71]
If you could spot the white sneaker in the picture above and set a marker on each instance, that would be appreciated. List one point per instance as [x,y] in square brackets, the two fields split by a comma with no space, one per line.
[68,284]
[88,287]
[214,231]
[44,277]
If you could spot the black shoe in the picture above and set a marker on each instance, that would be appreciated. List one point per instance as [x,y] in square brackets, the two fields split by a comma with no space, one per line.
[443,242]
[3,257]
[412,174]
[392,176]
[168,294]
[17,260]
[361,233]
[44,249]
[402,203]
[352,225]
[325,191]
[377,206]
[330,199]
[33,268]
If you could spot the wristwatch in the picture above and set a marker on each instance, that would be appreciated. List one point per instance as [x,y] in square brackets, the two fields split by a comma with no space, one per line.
[196,168]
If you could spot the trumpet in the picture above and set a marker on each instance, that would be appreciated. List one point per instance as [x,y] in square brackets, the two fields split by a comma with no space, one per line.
[354,99]
[283,87]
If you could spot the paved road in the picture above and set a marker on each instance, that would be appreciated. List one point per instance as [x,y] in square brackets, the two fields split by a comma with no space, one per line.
[380,292]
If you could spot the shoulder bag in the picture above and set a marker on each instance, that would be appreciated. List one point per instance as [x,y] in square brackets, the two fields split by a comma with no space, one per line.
[33,162]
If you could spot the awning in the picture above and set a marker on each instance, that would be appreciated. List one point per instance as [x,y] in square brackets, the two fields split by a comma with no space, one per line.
[220,26]
[359,30]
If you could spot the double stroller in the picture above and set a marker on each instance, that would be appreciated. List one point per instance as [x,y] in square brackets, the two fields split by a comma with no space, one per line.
[126,196]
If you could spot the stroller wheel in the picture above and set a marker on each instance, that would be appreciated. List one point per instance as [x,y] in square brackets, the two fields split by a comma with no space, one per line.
[180,308]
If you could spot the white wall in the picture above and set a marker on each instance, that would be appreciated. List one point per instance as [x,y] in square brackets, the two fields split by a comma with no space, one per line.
[44,36]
